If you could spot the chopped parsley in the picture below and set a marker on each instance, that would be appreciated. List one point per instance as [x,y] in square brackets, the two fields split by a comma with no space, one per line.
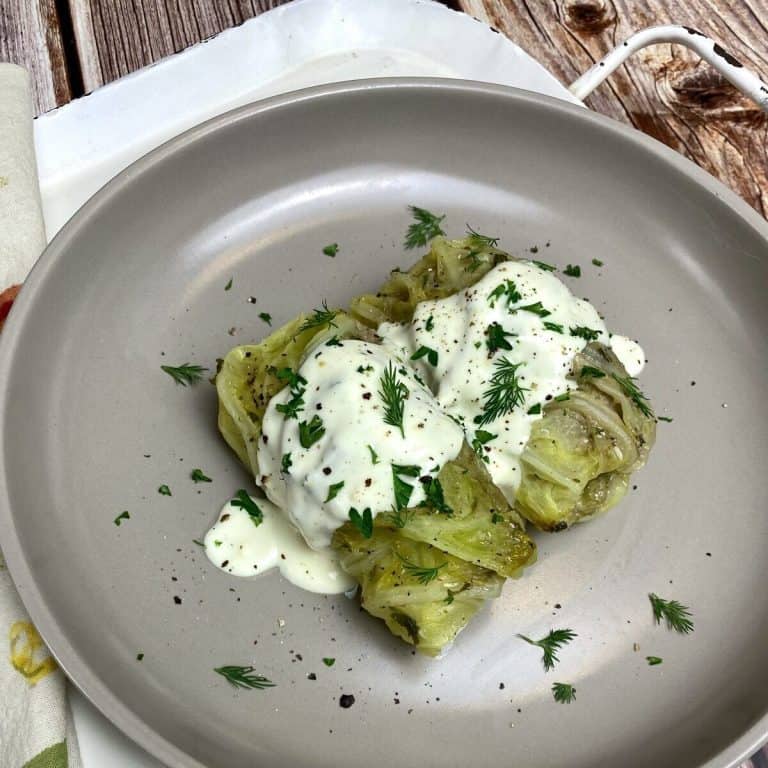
[562,398]
[677,615]
[597,262]
[430,324]
[563,693]
[310,432]
[479,440]
[428,352]
[543,265]
[286,462]
[403,490]
[334,341]
[164,490]
[393,394]
[122,516]
[433,491]
[496,338]
[243,501]
[243,677]
[297,384]
[664,418]
[266,317]
[572,270]
[364,369]
[329,662]
[537,309]
[556,327]
[583,332]
[534,409]
[139,657]
[331,250]
[333,491]
[426,226]
[184,374]
[363,522]
[199,476]
[228,286]
[653,660]
[506,290]
[374,455]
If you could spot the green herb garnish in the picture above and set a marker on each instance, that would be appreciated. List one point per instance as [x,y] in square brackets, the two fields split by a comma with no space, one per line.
[589,372]
[534,410]
[401,517]
[297,385]
[243,677]
[653,660]
[266,317]
[422,574]
[631,390]
[139,657]
[374,455]
[551,644]
[562,398]
[536,308]
[319,318]
[496,338]
[479,440]
[481,241]
[198,542]
[228,285]
[564,693]
[428,352]
[334,341]
[122,516]
[677,616]
[199,476]
[331,250]
[581,331]
[433,491]
[507,290]
[363,523]
[184,374]
[504,393]
[393,394]
[403,490]
[164,490]
[310,432]
[424,228]
[664,418]
[572,270]
[286,462]
[243,501]
[556,327]
[597,262]
[329,662]
[543,265]
[364,369]
[430,324]
[333,491]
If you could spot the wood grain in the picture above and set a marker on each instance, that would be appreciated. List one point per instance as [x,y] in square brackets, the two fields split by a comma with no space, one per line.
[665,91]
[30,36]
[115,37]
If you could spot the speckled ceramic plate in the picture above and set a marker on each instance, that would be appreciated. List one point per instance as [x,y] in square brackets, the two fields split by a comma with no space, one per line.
[91,427]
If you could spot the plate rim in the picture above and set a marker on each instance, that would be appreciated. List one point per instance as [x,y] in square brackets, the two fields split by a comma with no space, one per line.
[72,663]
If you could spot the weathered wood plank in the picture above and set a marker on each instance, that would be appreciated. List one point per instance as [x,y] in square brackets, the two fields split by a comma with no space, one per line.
[115,37]
[30,36]
[665,91]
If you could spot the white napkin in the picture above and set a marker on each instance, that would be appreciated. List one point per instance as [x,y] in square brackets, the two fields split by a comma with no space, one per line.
[35,726]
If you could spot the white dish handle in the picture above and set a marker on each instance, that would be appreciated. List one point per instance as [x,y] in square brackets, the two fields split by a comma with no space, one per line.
[731,68]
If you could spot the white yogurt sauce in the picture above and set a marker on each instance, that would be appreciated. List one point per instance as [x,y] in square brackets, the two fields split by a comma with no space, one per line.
[239,547]
[541,338]
[350,464]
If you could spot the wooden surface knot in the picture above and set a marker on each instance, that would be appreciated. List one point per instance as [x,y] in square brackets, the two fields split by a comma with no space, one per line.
[588,16]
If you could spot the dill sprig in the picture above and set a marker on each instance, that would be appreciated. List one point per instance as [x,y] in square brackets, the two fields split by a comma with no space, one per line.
[320,317]
[632,391]
[564,693]
[677,615]
[184,374]
[423,574]
[243,677]
[551,644]
[481,241]
[393,394]
[424,228]
[504,393]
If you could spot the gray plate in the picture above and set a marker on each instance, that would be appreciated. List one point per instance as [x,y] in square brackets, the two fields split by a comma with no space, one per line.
[137,279]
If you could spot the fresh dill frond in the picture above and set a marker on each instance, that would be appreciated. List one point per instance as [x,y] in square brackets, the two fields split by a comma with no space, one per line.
[319,318]
[677,615]
[564,693]
[550,644]
[393,394]
[632,391]
[504,394]
[422,574]
[243,501]
[243,677]
[425,227]
[481,241]
[590,372]
[184,374]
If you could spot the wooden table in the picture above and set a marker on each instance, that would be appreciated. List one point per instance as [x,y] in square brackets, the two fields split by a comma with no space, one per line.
[72,47]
